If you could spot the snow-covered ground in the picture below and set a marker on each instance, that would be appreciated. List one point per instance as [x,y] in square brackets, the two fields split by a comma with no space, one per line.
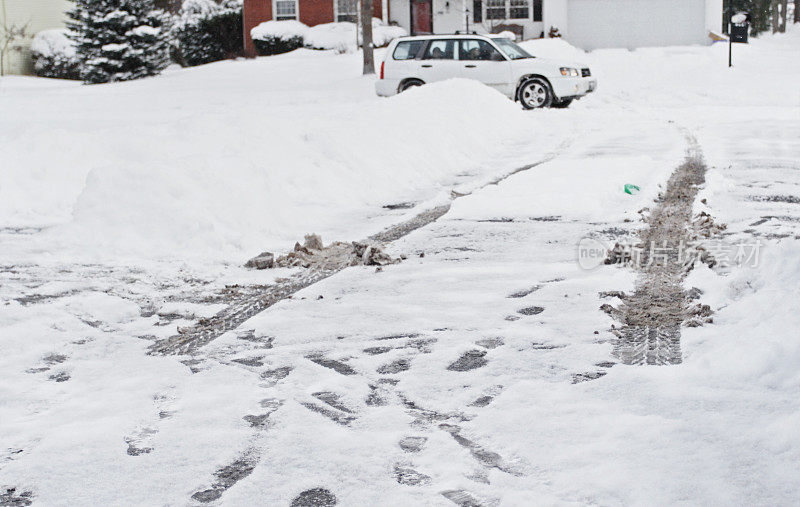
[215,162]
[126,209]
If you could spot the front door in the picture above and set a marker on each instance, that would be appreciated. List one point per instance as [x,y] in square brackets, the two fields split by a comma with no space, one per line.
[421,17]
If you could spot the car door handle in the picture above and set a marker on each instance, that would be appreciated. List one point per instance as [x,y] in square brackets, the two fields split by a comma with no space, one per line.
[470,66]
[427,66]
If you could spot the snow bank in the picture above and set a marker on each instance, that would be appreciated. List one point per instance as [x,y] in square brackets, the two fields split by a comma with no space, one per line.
[53,42]
[754,339]
[283,30]
[227,202]
[748,357]
[342,36]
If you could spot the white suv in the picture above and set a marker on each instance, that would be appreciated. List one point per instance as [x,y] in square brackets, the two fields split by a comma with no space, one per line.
[493,60]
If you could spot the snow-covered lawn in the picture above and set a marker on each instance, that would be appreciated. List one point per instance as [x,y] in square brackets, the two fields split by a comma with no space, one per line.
[214,162]
[126,209]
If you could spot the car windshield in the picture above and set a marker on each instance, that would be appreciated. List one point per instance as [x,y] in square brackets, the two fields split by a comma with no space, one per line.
[512,50]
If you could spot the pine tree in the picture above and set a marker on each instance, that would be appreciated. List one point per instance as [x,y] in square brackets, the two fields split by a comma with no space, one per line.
[119,40]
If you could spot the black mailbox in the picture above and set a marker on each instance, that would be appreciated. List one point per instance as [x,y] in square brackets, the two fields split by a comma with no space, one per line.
[740,23]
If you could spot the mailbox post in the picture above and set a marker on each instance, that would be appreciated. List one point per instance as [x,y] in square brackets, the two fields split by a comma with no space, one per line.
[737,32]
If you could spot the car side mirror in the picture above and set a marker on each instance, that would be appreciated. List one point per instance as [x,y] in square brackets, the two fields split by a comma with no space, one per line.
[497,57]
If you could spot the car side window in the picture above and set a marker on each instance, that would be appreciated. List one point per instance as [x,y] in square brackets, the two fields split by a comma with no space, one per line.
[480,50]
[440,50]
[407,50]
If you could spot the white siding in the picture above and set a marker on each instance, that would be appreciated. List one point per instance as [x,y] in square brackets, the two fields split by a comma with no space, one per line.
[594,24]
[554,15]
[449,16]
[40,15]
[714,16]
[399,13]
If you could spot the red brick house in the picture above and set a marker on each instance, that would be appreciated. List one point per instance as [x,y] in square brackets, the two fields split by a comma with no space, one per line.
[587,24]
[309,12]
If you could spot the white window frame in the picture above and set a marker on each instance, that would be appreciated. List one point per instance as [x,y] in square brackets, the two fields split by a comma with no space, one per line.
[356,4]
[284,17]
[487,8]
[528,6]
[507,11]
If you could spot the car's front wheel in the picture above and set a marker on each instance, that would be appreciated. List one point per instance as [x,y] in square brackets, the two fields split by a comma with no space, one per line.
[409,83]
[535,93]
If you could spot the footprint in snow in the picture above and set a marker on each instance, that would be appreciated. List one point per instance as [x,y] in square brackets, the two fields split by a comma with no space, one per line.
[317,497]
[469,360]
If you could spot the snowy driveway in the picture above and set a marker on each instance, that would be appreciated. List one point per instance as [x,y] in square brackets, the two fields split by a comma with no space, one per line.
[478,371]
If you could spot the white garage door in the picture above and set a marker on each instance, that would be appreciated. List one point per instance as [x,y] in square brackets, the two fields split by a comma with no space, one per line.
[632,24]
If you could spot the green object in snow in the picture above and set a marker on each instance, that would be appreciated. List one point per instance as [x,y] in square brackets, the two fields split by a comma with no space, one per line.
[632,189]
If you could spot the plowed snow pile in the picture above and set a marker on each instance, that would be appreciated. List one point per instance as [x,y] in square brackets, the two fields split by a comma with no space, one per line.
[229,198]
[249,172]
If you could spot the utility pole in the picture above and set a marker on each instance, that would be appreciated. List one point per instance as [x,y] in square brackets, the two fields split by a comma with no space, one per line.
[366,43]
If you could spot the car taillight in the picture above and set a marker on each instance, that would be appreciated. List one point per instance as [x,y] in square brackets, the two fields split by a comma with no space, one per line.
[382,64]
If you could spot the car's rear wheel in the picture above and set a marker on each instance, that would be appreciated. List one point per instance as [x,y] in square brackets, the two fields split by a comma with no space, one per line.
[409,83]
[562,104]
[535,93]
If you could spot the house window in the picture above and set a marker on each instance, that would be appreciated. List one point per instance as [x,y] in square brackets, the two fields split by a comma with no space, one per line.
[537,10]
[512,9]
[518,9]
[285,9]
[347,10]
[496,9]
[477,11]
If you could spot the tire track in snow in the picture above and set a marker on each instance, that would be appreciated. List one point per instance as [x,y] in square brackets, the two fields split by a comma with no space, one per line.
[653,314]
[250,301]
